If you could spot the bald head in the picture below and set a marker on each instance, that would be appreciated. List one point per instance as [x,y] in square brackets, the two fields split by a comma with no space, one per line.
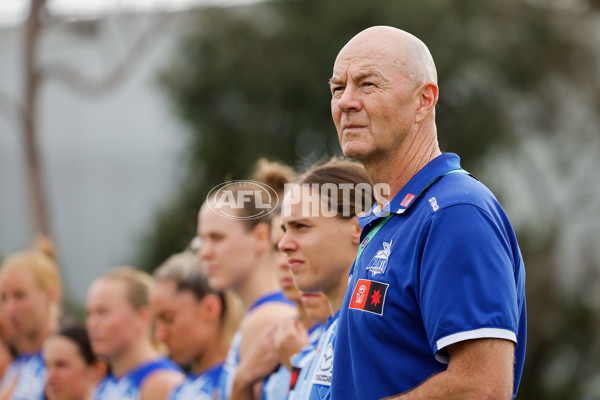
[407,52]
[383,96]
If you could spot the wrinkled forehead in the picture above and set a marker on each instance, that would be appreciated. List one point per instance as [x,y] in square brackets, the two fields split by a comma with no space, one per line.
[359,56]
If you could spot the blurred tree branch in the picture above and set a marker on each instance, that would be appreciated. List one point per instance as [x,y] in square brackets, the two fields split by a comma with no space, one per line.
[77,81]
[36,74]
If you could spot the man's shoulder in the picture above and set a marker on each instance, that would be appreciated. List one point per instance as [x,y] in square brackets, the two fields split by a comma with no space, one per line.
[458,189]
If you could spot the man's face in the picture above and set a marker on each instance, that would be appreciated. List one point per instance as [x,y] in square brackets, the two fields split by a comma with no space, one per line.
[373,103]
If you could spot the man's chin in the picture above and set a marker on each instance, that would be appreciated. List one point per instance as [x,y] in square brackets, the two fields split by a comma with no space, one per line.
[354,152]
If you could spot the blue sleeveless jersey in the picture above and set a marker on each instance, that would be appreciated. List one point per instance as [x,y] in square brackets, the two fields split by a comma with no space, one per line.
[31,383]
[233,356]
[129,386]
[198,387]
[314,380]
[301,361]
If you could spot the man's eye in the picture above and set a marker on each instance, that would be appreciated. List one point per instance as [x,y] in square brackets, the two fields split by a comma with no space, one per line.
[337,89]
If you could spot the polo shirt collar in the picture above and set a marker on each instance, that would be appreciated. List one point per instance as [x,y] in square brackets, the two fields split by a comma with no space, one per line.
[437,167]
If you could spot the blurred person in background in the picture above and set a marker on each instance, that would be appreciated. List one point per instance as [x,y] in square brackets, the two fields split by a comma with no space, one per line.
[288,345]
[238,255]
[8,353]
[321,246]
[195,322]
[30,290]
[119,323]
[72,367]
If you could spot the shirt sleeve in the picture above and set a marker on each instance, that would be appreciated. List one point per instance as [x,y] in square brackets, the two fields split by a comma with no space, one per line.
[467,286]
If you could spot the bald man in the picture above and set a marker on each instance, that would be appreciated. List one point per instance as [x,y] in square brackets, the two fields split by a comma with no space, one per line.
[435,307]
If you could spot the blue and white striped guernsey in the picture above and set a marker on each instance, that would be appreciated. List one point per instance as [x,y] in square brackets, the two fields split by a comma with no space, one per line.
[198,387]
[301,361]
[129,386]
[314,380]
[233,356]
[31,383]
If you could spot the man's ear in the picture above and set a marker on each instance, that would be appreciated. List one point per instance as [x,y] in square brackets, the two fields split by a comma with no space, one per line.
[428,97]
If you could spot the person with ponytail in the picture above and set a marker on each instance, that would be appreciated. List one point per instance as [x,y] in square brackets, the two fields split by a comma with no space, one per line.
[238,255]
[30,291]
[289,347]
[321,243]
[119,323]
[195,322]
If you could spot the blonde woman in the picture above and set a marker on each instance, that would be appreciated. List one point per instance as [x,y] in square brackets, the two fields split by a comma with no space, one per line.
[30,290]
[119,325]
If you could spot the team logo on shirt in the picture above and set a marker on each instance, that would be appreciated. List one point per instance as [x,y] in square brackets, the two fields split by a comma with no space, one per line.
[369,296]
[379,263]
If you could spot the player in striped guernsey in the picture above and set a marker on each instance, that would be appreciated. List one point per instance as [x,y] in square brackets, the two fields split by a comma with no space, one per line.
[119,325]
[236,249]
[31,289]
[321,247]
[194,322]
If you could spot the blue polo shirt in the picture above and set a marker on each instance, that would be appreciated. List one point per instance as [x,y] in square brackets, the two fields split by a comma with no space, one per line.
[445,268]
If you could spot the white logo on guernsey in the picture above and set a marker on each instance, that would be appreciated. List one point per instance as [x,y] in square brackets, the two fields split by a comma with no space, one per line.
[379,263]
[323,373]
[361,293]
[434,204]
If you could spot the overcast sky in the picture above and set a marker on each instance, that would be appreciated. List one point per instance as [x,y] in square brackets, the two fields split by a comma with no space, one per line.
[13,12]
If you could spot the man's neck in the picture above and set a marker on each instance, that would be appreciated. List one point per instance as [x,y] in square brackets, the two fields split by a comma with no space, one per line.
[399,168]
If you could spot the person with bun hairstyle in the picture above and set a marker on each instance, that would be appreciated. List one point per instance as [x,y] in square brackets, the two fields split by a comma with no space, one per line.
[72,367]
[119,324]
[321,242]
[288,348]
[30,290]
[238,255]
[195,322]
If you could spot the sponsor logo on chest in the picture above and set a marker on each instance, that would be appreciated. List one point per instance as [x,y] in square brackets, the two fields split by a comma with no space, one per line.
[324,367]
[369,296]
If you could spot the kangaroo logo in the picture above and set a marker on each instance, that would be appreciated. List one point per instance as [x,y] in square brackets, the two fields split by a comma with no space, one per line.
[379,263]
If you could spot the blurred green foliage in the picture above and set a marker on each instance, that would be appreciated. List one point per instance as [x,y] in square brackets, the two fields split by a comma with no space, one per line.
[252,81]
